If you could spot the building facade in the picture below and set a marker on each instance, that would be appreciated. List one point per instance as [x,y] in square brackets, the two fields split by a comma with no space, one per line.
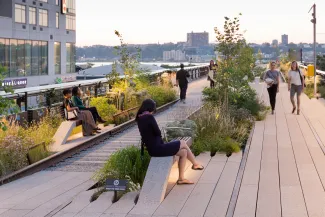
[198,39]
[285,40]
[174,55]
[37,40]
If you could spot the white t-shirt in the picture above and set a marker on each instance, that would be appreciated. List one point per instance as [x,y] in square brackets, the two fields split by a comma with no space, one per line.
[295,77]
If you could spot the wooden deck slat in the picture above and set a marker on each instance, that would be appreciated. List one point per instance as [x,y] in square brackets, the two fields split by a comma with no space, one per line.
[173,203]
[220,199]
[311,185]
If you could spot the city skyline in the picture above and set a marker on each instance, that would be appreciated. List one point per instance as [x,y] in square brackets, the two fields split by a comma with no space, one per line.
[145,22]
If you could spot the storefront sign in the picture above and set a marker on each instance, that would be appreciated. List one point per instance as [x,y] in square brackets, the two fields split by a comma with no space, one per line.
[64,6]
[15,83]
[65,79]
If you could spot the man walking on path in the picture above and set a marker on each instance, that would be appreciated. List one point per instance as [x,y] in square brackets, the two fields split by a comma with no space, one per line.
[181,81]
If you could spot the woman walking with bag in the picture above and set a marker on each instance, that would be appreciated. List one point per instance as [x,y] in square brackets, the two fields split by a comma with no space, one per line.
[212,68]
[272,79]
[296,84]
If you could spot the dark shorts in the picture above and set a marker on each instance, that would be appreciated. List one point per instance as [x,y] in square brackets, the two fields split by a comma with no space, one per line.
[166,149]
[295,89]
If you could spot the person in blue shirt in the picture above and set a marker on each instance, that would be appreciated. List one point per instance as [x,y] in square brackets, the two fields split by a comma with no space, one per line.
[152,139]
[76,99]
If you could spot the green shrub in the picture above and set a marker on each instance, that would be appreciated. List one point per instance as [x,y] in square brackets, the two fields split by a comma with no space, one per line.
[245,98]
[309,91]
[161,95]
[13,154]
[173,132]
[215,144]
[16,141]
[105,110]
[125,164]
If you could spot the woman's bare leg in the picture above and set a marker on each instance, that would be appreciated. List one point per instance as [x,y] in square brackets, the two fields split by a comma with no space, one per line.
[298,101]
[190,155]
[182,153]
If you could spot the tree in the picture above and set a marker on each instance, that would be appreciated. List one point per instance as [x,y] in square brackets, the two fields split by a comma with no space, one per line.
[5,104]
[321,62]
[235,69]
[292,55]
[259,55]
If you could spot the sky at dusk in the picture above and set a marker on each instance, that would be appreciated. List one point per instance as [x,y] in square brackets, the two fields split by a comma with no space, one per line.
[148,21]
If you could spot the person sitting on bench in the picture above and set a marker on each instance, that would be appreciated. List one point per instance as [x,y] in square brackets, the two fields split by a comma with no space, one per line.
[152,139]
[73,113]
[76,99]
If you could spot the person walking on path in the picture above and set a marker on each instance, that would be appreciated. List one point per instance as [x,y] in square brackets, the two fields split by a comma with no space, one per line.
[152,140]
[181,80]
[76,99]
[272,79]
[212,68]
[296,84]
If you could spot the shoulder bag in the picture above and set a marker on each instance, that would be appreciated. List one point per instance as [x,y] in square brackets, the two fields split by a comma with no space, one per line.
[70,115]
[302,83]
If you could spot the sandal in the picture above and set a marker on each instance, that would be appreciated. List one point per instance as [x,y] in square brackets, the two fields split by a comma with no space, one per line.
[293,110]
[198,168]
[184,182]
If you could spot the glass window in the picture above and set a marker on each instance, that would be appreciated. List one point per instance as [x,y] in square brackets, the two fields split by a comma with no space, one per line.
[43,1]
[43,17]
[73,59]
[28,57]
[57,20]
[4,53]
[57,57]
[32,15]
[13,58]
[20,13]
[43,58]
[68,47]
[35,55]
[70,22]
[71,6]
[21,58]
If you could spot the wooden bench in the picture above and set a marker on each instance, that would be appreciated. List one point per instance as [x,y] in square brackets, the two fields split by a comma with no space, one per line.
[63,132]
[155,184]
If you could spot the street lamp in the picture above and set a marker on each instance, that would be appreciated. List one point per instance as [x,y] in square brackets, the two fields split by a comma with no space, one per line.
[314,22]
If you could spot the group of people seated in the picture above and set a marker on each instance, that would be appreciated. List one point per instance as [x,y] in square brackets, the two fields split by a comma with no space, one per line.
[148,127]
[76,110]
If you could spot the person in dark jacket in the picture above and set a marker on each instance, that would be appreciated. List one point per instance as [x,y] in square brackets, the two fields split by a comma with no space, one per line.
[76,99]
[152,139]
[181,81]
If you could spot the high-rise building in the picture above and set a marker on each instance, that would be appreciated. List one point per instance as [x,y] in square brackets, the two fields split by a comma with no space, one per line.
[197,39]
[285,40]
[37,40]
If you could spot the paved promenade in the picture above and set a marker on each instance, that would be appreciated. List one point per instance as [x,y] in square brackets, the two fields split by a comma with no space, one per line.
[280,174]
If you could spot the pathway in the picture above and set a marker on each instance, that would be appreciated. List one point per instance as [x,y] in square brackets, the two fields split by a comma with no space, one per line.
[282,171]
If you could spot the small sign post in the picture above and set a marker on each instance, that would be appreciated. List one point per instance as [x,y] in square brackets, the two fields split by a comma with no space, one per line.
[116,185]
